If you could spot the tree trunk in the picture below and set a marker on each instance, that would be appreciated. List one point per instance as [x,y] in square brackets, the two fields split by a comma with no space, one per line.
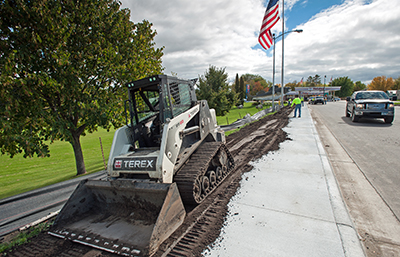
[80,163]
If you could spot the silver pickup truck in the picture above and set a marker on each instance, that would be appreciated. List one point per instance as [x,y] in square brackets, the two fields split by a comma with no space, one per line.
[370,104]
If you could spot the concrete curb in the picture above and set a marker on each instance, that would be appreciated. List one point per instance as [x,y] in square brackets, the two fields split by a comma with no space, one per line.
[54,187]
[348,234]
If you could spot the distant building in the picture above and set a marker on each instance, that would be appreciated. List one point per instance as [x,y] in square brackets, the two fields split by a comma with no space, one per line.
[300,91]
[311,91]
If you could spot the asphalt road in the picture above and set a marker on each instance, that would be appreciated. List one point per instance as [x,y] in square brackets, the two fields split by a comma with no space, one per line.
[23,209]
[372,145]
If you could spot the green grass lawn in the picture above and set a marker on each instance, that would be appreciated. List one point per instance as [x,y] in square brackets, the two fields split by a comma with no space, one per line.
[236,113]
[20,175]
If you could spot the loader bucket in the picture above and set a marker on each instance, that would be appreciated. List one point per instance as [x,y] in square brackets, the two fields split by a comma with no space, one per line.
[122,216]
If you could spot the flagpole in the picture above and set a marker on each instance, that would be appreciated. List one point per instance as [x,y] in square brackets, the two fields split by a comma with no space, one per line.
[266,39]
[283,38]
[273,77]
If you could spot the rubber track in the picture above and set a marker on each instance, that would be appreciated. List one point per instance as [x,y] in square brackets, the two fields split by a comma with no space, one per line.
[197,166]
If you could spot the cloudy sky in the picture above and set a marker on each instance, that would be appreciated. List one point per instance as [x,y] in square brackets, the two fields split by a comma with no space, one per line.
[355,38]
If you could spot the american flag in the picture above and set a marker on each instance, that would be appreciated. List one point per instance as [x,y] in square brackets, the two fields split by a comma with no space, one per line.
[271,17]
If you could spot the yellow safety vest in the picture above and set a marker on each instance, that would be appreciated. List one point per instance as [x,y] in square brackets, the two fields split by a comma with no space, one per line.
[296,101]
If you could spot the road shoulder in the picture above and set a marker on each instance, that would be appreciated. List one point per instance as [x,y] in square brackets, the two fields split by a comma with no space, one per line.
[377,227]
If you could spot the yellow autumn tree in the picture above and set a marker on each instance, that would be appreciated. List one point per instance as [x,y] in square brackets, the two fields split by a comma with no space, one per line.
[381,83]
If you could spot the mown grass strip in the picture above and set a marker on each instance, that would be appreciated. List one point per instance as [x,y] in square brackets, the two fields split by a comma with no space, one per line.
[19,174]
[23,237]
[236,113]
[227,133]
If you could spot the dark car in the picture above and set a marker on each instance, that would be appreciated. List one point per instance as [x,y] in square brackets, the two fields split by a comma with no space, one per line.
[318,100]
[370,104]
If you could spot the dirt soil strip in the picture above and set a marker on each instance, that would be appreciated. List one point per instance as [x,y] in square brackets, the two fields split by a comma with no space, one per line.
[203,223]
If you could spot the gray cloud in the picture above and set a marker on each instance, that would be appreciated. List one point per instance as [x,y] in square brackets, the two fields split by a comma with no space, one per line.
[359,38]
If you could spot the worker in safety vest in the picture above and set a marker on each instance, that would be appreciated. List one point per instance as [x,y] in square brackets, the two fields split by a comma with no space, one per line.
[297,102]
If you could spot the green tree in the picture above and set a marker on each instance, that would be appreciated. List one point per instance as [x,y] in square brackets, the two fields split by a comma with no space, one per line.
[251,79]
[293,85]
[257,88]
[313,81]
[236,85]
[346,85]
[214,88]
[257,83]
[309,81]
[359,86]
[63,66]
[317,79]
[396,85]
[248,77]
[238,90]
[242,90]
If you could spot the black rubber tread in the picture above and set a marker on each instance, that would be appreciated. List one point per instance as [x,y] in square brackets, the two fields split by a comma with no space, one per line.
[196,167]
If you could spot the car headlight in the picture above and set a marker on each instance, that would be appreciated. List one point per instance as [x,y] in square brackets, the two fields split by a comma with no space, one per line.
[359,106]
[391,105]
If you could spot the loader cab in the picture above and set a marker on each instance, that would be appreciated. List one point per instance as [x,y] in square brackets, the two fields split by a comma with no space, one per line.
[153,101]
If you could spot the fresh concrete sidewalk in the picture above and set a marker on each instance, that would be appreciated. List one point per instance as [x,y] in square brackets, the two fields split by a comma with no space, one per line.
[289,204]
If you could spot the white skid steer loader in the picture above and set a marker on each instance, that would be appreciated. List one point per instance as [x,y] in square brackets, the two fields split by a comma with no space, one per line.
[171,152]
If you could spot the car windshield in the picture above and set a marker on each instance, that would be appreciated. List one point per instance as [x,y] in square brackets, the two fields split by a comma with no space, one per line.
[371,95]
